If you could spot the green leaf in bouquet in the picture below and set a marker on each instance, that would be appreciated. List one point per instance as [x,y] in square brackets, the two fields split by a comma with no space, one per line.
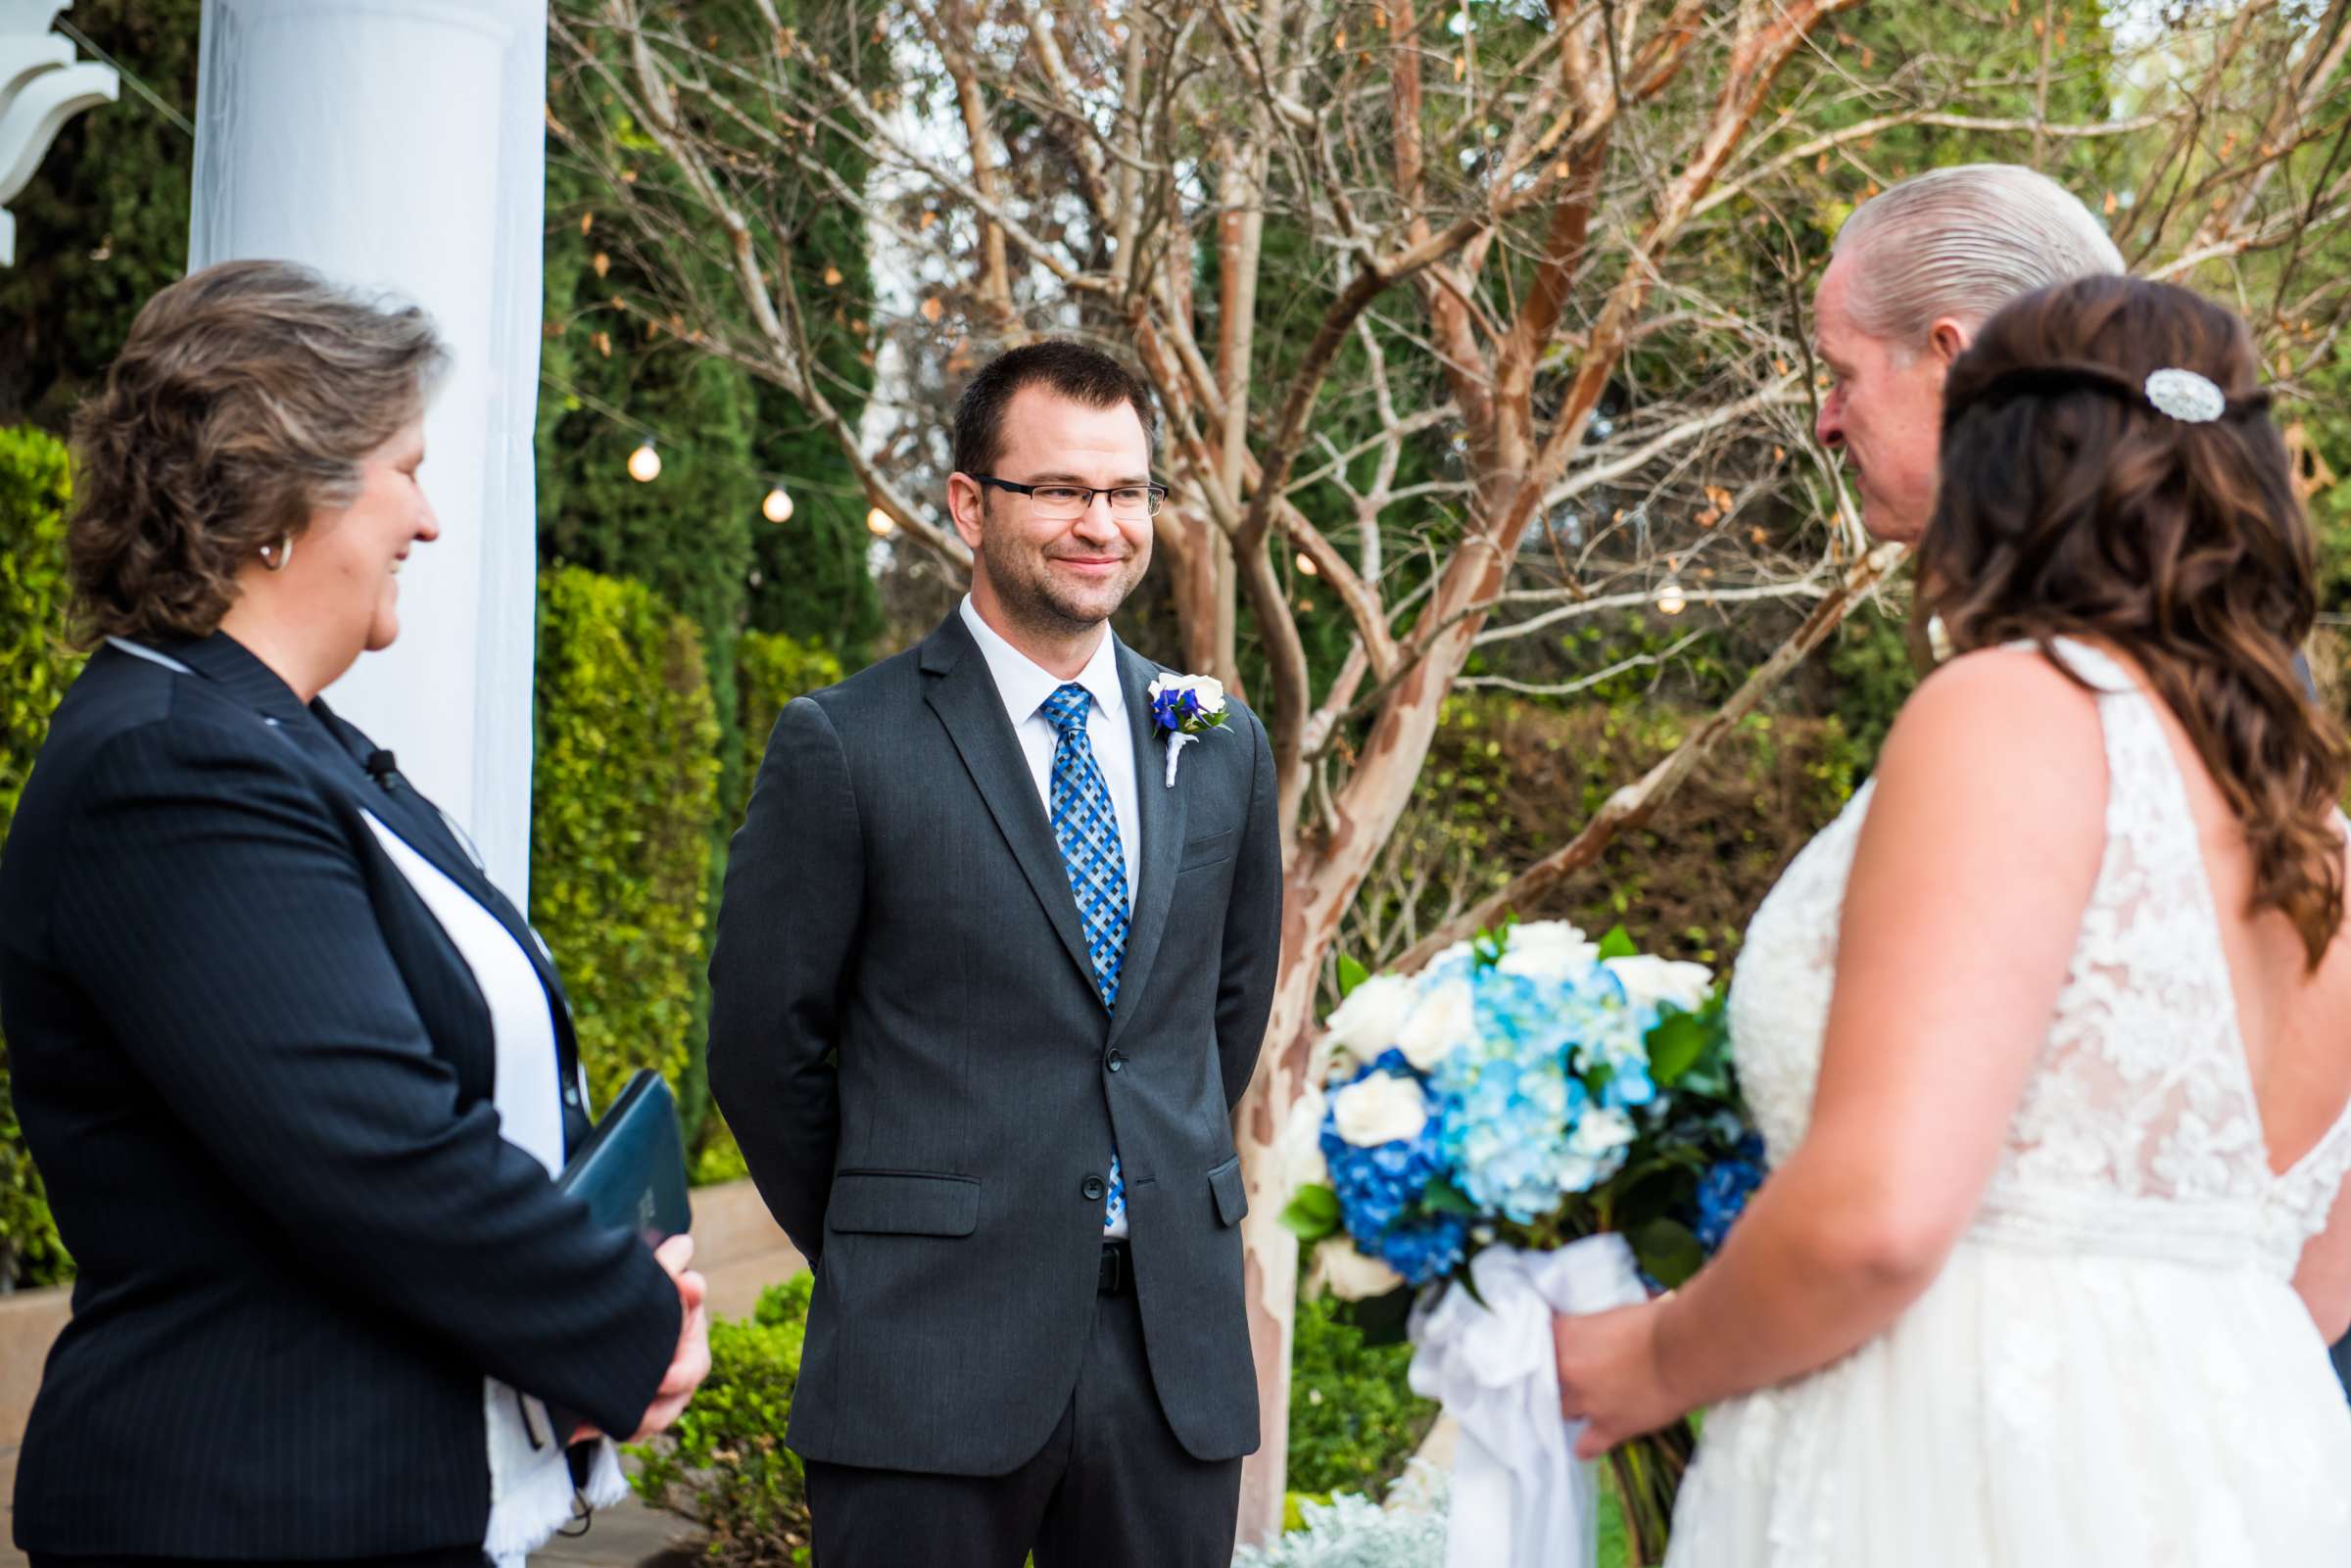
[1678,1043]
[1710,1079]
[1619,943]
[1350,975]
[1468,1279]
[1656,1183]
[1443,1198]
[1669,1254]
[1312,1212]
[1598,1075]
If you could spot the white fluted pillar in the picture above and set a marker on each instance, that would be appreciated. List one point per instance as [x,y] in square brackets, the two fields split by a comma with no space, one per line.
[399,145]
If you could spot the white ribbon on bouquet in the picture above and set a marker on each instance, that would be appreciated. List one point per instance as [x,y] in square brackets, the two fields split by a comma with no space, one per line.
[1521,1498]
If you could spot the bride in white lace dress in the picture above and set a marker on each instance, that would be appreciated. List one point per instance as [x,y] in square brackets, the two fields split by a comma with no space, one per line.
[2050,1033]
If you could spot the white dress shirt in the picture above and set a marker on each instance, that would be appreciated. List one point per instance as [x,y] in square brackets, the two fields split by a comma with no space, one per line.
[1023,684]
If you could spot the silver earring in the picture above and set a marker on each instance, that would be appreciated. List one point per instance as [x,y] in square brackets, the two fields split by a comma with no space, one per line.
[285,553]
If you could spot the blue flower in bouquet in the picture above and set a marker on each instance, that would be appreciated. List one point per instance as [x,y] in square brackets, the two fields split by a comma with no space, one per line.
[1424,1249]
[1382,1140]
[1522,1124]
[1723,1191]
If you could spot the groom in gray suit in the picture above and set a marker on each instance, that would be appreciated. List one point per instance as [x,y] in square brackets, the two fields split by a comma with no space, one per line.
[992,972]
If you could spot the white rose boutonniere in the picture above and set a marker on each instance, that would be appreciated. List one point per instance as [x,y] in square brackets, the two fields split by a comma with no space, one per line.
[1186,707]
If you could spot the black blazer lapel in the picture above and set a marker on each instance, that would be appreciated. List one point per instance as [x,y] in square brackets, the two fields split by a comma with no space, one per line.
[1163,824]
[960,690]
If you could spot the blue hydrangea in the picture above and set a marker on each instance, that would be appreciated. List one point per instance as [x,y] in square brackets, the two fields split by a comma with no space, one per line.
[1376,1185]
[1514,1097]
[1424,1249]
[1723,1191]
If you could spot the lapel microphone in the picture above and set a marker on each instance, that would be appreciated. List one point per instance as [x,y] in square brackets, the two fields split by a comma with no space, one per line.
[381,768]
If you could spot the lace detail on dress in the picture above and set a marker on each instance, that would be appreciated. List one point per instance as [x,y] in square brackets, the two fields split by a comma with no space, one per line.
[2110,1371]
[2137,1130]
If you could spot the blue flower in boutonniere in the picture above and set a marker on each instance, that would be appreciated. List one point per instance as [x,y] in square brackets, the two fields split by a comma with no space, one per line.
[1186,707]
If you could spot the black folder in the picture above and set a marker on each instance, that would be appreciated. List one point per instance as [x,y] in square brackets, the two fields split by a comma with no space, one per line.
[631,1170]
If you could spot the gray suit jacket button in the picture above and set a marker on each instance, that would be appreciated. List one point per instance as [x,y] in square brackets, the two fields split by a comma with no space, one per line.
[1092,1189]
[1117,1061]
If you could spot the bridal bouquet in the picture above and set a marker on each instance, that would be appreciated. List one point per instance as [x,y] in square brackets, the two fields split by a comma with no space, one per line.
[1533,1123]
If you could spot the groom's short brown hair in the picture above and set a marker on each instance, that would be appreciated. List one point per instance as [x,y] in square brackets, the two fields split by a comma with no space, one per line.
[1075,372]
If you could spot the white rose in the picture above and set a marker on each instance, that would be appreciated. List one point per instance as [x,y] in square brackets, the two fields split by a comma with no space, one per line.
[1443,1021]
[1648,980]
[1298,1152]
[1366,1022]
[1548,950]
[1347,1273]
[1379,1109]
[1205,688]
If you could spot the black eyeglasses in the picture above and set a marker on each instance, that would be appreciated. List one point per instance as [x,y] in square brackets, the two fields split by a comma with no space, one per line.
[1067,502]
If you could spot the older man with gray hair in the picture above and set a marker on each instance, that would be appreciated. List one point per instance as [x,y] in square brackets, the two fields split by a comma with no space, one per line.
[1914,272]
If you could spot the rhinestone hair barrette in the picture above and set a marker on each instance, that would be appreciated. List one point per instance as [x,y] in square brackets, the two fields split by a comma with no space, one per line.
[2187,396]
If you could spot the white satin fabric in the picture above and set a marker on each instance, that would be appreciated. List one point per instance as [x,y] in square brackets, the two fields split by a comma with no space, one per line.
[1521,1498]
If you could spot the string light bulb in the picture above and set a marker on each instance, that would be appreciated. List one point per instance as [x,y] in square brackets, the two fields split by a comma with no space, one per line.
[1305,564]
[879,523]
[1671,600]
[645,463]
[777,508]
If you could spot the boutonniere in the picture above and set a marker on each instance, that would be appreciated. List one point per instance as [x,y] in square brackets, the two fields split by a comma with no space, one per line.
[1186,707]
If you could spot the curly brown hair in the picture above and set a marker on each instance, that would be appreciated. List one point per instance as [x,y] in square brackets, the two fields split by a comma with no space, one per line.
[244,399]
[2070,505]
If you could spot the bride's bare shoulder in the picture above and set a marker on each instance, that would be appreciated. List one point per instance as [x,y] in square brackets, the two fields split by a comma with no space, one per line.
[2004,704]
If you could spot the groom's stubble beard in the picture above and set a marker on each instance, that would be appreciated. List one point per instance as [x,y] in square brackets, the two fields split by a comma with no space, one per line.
[1025,589]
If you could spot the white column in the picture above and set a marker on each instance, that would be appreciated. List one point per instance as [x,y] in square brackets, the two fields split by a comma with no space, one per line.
[398,146]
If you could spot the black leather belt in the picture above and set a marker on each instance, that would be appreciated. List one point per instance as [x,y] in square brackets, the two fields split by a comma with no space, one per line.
[1117,1270]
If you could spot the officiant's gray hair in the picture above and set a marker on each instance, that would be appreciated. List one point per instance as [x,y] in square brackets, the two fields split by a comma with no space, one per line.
[1965,241]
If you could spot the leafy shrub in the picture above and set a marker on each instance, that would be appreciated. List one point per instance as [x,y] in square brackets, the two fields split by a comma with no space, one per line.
[1352,1531]
[724,1464]
[623,795]
[1353,1424]
[35,668]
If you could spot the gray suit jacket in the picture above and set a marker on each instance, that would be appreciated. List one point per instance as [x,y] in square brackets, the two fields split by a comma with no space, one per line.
[906,1039]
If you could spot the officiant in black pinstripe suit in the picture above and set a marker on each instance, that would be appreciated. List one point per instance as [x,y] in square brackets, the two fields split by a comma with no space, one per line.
[296,1074]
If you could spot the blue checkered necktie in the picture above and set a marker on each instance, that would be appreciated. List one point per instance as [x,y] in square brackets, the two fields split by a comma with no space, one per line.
[1086,828]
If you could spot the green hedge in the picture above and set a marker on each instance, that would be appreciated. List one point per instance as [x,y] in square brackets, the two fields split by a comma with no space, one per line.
[724,1464]
[774,668]
[771,669]
[623,793]
[37,668]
